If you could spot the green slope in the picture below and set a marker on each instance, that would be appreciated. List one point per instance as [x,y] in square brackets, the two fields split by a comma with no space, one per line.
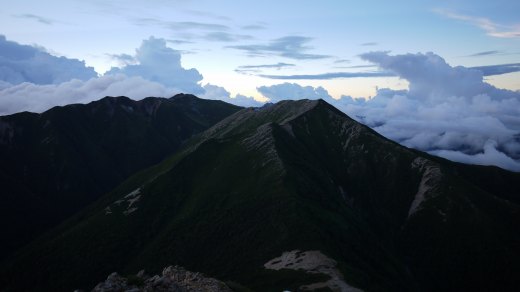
[296,175]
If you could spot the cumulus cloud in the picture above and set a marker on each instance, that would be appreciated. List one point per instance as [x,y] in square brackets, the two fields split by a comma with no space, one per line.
[33,80]
[23,63]
[293,91]
[220,93]
[433,79]
[38,98]
[447,111]
[158,63]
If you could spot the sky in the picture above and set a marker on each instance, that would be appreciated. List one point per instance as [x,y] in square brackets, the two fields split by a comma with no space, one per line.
[439,76]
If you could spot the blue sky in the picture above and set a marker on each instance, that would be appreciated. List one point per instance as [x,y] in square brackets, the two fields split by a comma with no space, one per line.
[440,76]
[209,33]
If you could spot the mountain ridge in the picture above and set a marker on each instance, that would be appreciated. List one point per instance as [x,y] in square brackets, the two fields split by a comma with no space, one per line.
[70,155]
[298,175]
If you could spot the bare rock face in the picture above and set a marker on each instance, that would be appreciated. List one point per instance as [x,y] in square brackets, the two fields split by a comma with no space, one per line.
[173,279]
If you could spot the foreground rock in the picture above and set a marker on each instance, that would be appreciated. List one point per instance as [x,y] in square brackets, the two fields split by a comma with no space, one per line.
[313,262]
[174,279]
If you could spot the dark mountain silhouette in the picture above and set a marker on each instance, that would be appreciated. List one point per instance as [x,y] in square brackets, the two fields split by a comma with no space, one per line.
[347,206]
[55,163]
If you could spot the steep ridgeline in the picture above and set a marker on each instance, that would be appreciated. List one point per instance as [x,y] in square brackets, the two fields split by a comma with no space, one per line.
[294,196]
[53,164]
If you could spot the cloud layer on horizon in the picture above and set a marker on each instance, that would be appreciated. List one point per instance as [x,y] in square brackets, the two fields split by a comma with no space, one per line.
[447,111]
[38,98]
[220,93]
[293,91]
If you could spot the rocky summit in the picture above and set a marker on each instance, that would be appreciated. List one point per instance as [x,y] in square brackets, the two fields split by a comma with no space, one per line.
[173,279]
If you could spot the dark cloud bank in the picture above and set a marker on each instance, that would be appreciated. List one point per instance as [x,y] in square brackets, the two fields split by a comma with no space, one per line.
[447,111]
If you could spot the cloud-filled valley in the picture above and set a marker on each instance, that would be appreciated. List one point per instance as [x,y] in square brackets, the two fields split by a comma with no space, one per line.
[447,111]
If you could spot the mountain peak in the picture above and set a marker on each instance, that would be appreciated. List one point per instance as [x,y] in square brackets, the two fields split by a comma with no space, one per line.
[298,179]
[184,96]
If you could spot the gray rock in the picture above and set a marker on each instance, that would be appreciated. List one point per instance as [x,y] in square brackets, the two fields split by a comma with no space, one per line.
[173,279]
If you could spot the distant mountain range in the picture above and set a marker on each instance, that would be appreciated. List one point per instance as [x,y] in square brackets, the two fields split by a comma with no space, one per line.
[288,196]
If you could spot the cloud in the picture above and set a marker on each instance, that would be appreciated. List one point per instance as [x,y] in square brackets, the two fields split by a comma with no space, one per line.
[255,69]
[326,76]
[23,63]
[447,111]
[356,66]
[432,78]
[190,30]
[369,44]
[207,14]
[253,27]
[225,37]
[38,98]
[32,80]
[341,61]
[293,91]
[292,47]
[123,59]
[277,66]
[498,69]
[179,42]
[180,25]
[220,93]
[485,53]
[158,63]
[37,18]
[490,156]
[491,28]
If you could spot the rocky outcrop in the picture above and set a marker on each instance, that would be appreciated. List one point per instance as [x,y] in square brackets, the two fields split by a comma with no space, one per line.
[313,262]
[173,279]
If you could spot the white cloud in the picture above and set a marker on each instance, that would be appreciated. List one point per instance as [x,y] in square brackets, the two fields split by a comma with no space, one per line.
[220,93]
[490,156]
[491,28]
[293,91]
[432,78]
[447,111]
[158,63]
[33,80]
[38,98]
[23,63]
